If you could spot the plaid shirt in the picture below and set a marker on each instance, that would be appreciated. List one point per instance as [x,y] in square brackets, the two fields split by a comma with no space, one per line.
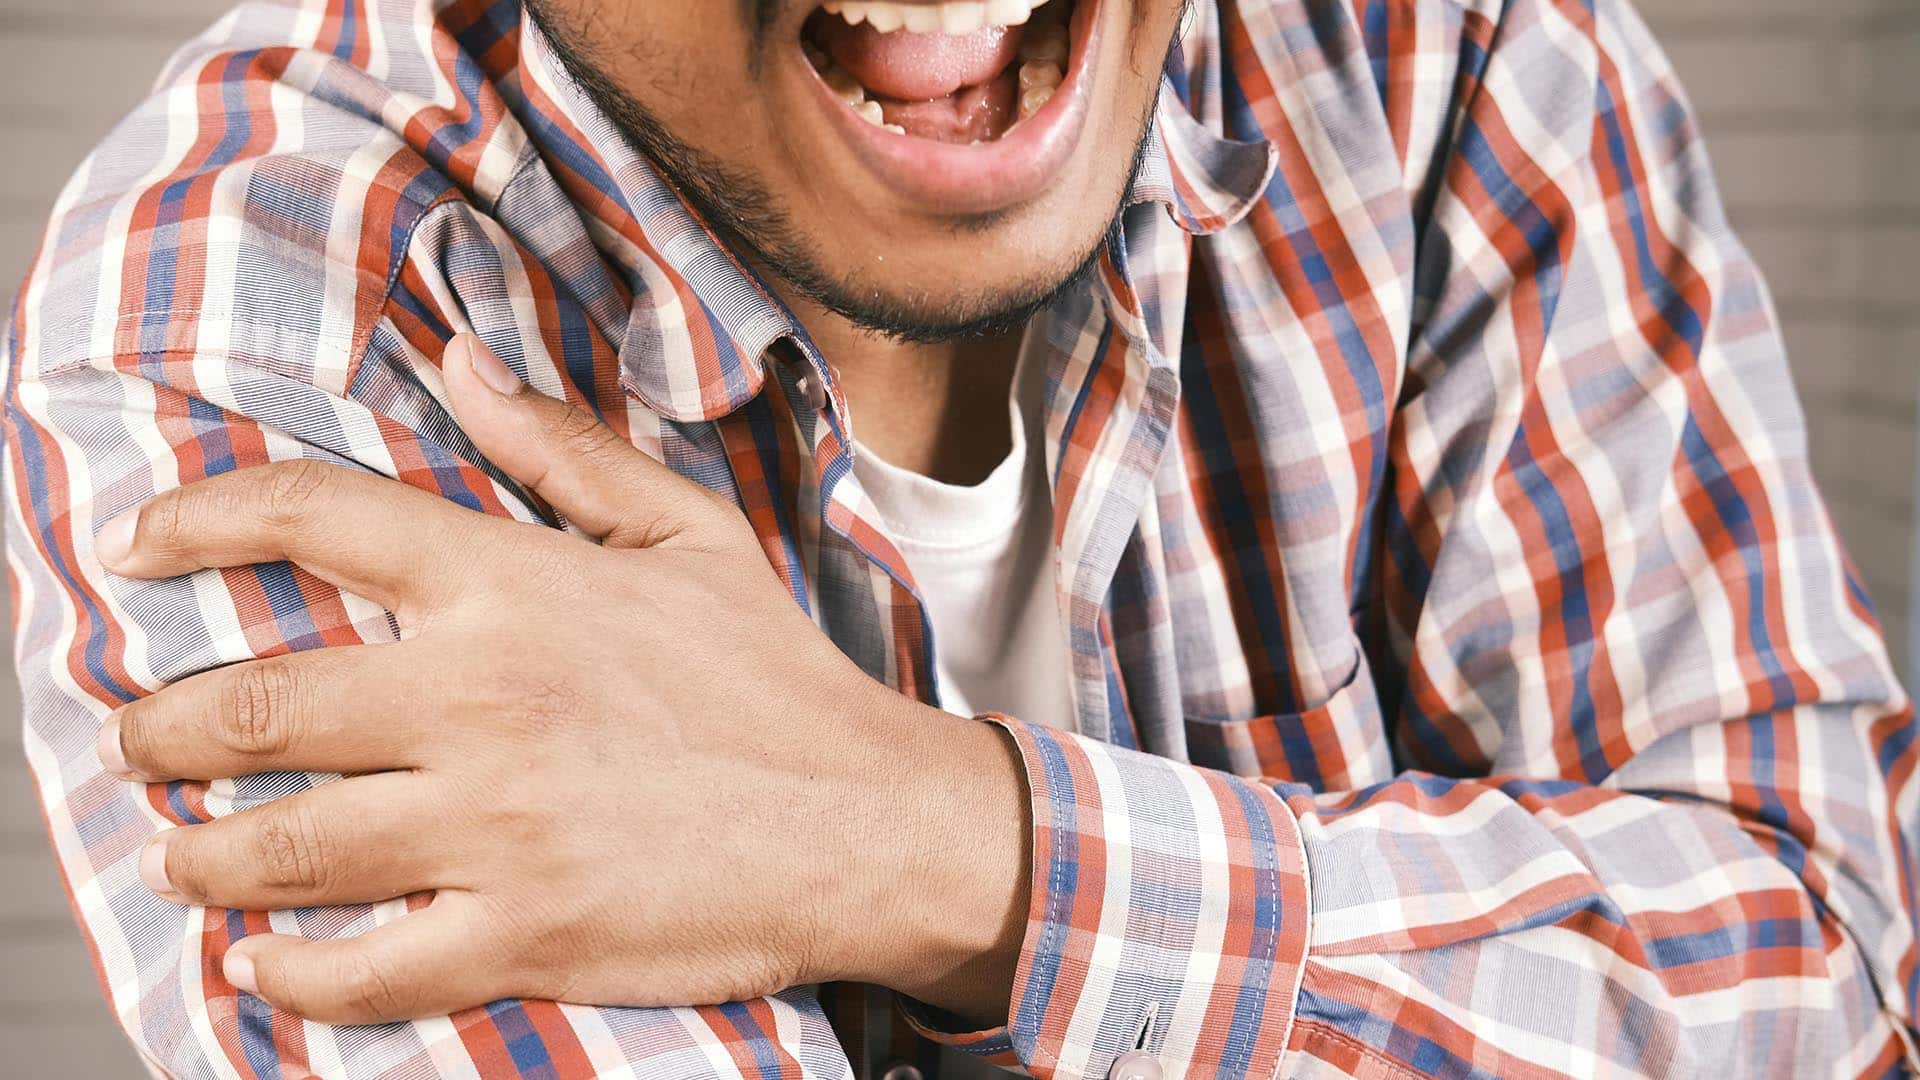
[1468,680]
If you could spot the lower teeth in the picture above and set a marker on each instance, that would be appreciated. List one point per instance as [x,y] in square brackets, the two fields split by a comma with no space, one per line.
[1031,101]
[1043,62]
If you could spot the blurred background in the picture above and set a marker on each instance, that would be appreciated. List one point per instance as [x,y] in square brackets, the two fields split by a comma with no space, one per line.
[1812,112]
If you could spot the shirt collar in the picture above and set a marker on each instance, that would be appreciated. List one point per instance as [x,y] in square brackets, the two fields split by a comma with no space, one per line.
[1205,180]
[700,325]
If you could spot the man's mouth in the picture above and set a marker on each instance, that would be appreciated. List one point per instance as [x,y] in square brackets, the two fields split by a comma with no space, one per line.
[961,72]
[968,105]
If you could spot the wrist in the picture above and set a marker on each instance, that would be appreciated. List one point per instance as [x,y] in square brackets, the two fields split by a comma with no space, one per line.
[942,864]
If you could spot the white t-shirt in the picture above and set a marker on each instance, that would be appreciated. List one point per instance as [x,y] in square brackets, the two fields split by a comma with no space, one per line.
[983,559]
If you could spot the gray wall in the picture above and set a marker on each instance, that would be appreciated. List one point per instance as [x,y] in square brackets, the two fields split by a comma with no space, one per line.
[1813,113]
[68,70]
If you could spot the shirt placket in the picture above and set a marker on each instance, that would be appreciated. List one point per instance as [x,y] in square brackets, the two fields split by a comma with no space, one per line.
[1108,406]
[1108,413]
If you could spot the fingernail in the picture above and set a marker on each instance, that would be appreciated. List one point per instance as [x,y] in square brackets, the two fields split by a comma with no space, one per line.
[238,968]
[114,542]
[153,865]
[492,370]
[108,748]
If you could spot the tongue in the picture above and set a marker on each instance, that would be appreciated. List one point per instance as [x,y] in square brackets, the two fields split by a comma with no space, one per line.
[918,67]
[974,114]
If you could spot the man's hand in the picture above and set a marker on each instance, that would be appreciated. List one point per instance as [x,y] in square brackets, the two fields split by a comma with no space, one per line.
[631,773]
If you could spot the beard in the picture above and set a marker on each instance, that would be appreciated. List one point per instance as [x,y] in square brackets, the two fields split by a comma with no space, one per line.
[741,213]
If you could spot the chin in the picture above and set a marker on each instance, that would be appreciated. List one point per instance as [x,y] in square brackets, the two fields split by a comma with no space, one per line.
[938,308]
[982,143]
[924,169]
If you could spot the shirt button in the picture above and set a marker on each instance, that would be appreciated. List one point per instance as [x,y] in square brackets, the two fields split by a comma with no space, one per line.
[1136,1065]
[901,1072]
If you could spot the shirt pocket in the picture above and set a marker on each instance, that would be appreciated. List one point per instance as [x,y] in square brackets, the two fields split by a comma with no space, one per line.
[1336,745]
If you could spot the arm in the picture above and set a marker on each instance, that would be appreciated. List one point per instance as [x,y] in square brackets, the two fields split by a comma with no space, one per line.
[90,442]
[1659,811]
[138,364]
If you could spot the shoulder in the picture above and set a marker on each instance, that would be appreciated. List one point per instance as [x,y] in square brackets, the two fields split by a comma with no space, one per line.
[258,205]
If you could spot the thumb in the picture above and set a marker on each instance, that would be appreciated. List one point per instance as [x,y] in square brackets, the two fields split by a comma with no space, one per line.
[580,466]
[421,964]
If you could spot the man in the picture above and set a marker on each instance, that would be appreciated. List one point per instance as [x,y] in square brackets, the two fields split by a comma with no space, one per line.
[1103,538]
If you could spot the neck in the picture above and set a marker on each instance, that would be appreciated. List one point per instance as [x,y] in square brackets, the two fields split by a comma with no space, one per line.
[937,409]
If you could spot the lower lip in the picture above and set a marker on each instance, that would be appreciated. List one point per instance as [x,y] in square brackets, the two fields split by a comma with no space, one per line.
[984,177]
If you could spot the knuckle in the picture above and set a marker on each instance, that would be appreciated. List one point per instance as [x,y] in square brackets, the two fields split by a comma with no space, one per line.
[714,502]
[289,851]
[138,741]
[370,988]
[698,511]
[584,439]
[730,524]
[254,709]
[162,521]
[690,511]
[290,488]
[578,433]
[185,868]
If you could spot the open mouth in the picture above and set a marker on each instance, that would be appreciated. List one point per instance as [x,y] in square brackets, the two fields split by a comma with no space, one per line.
[964,105]
[963,72]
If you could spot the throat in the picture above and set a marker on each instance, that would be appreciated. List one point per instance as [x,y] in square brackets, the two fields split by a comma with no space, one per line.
[936,410]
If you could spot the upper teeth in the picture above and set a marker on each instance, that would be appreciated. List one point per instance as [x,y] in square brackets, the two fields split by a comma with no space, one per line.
[949,17]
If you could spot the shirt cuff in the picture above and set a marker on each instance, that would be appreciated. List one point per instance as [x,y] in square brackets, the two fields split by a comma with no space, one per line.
[991,1045]
[1169,915]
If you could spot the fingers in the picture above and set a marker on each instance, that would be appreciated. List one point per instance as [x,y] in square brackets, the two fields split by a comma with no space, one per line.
[425,963]
[395,545]
[350,710]
[581,467]
[359,840]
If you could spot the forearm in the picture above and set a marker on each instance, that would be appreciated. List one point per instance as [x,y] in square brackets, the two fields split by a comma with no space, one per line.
[938,907]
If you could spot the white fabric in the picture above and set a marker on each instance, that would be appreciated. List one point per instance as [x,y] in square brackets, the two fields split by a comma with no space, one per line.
[983,559]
